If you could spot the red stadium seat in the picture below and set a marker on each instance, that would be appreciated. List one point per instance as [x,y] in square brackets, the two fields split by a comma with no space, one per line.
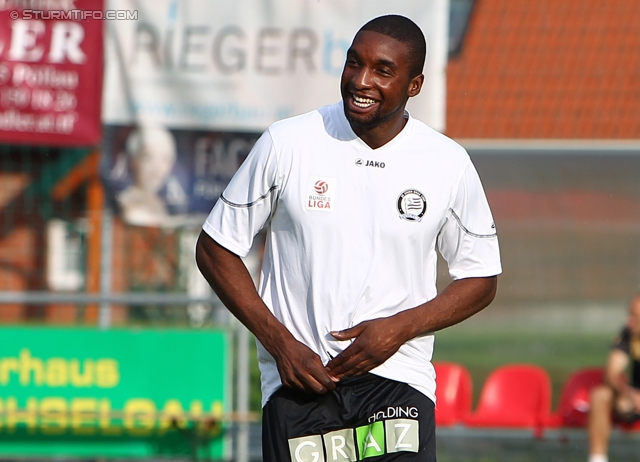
[573,407]
[514,396]
[453,393]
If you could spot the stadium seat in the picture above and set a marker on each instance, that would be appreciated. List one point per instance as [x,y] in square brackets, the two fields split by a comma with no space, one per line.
[514,396]
[573,406]
[453,393]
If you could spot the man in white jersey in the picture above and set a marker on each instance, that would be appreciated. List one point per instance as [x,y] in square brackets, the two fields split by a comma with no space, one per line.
[355,199]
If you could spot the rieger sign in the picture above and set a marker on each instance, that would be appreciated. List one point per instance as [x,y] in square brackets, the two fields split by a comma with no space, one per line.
[241,65]
[50,72]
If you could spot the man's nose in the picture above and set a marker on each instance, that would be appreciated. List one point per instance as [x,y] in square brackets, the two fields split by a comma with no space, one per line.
[363,78]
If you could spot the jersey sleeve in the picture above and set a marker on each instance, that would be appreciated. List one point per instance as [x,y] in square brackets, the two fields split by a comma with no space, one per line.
[468,240]
[622,342]
[248,201]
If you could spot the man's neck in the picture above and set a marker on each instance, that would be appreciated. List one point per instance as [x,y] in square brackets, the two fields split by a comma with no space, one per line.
[379,135]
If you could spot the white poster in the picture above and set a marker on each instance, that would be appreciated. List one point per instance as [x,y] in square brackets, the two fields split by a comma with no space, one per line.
[240,65]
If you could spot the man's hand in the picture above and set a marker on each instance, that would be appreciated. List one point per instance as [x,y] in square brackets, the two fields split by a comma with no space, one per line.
[301,368]
[377,340]
[374,342]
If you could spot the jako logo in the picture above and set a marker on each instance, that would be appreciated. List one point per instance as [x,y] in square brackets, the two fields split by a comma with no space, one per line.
[321,187]
[369,163]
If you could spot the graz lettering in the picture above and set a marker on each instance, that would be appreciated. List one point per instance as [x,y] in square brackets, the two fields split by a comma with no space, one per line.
[353,444]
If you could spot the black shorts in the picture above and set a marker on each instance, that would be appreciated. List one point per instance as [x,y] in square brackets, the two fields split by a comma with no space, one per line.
[367,416]
[625,417]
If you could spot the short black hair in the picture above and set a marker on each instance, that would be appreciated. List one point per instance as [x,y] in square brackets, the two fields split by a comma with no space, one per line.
[403,30]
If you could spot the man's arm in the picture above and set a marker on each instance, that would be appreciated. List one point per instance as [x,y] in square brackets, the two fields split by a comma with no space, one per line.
[616,378]
[614,370]
[299,366]
[377,340]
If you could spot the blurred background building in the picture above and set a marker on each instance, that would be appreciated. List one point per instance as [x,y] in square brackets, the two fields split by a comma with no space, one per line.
[546,97]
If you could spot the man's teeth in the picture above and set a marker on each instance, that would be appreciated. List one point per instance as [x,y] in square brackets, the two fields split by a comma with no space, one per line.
[362,102]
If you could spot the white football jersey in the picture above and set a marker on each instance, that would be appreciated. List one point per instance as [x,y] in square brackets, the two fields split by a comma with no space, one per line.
[352,231]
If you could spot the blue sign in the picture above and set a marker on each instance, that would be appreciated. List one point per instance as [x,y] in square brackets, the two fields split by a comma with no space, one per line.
[165,177]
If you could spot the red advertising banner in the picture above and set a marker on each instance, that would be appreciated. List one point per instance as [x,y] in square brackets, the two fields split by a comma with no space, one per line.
[51,62]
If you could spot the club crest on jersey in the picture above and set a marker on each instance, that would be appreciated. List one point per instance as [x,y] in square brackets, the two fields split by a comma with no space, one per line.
[320,194]
[412,205]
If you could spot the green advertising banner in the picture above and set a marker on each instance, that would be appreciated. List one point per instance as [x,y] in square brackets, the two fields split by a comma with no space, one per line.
[118,393]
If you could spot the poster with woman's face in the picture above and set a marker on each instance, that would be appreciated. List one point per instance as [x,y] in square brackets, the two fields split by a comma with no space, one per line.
[165,177]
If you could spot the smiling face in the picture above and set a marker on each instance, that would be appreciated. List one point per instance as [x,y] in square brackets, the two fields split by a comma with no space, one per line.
[376,84]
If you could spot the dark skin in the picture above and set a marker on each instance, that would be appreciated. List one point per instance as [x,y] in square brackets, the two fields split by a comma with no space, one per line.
[298,365]
[376,85]
[377,69]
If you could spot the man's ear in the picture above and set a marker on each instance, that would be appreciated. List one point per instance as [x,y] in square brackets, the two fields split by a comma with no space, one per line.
[415,85]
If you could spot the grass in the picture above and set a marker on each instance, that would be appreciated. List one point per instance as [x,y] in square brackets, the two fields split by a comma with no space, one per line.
[560,353]
[482,350]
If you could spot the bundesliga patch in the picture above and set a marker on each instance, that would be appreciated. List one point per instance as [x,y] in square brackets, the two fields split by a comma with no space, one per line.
[411,205]
[321,193]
